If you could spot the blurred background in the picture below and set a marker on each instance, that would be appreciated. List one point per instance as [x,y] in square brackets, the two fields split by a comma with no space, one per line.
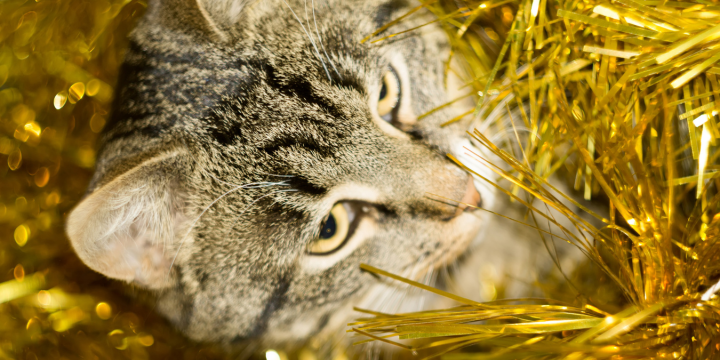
[58,64]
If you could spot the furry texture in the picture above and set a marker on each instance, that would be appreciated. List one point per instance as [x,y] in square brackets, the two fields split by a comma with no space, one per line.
[236,128]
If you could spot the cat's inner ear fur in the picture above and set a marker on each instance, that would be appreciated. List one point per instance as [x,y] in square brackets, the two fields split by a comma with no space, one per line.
[221,17]
[220,20]
[126,229]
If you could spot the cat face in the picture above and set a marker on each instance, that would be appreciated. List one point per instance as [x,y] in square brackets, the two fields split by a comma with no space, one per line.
[259,152]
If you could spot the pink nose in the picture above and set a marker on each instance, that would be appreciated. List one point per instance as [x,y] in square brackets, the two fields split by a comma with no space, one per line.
[471,200]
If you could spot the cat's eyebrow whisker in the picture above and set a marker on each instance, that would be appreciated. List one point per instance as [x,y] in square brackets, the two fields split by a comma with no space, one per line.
[264,184]
[278,175]
[252,185]
[262,197]
[317,52]
[261,184]
[320,39]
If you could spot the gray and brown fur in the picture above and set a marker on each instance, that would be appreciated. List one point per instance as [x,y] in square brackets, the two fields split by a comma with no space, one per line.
[232,136]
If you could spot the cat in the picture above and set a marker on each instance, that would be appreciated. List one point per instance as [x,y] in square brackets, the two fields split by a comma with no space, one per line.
[259,152]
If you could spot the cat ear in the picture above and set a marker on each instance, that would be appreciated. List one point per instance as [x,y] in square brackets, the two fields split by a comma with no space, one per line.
[125,228]
[218,19]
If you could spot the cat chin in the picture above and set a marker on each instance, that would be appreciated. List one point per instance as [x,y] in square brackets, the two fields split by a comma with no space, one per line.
[328,324]
[325,328]
[305,330]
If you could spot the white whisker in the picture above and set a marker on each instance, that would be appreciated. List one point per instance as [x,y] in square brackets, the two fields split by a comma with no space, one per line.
[262,197]
[429,280]
[288,176]
[317,52]
[320,39]
[252,185]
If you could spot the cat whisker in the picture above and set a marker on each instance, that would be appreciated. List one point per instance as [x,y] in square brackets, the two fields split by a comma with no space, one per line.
[506,132]
[335,343]
[287,176]
[418,293]
[252,185]
[260,198]
[320,38]
[445,273]
[312,41]
[455,266]
[402,291]
[389,303]
[430,281]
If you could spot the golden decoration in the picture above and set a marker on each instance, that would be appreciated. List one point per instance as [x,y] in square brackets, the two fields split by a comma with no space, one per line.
[76,92]
[103,310]
[621,98]
[60,99]
[19,273]
[14,159]
[21,234]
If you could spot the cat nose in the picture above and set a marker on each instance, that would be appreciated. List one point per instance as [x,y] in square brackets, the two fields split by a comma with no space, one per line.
[471,201]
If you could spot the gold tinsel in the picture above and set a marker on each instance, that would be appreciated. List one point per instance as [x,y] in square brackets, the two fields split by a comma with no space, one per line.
[623,97]
[620,96]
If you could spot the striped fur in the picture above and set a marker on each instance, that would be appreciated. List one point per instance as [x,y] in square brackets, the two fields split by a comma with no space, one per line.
[253,126]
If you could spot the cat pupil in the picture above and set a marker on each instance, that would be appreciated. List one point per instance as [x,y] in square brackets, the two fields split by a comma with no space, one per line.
[383,91]
[329,229]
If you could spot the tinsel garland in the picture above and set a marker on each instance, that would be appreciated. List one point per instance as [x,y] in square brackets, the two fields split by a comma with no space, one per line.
[620,95]
[624,96]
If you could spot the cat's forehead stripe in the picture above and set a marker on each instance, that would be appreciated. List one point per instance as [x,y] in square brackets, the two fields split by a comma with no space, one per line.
[157,78]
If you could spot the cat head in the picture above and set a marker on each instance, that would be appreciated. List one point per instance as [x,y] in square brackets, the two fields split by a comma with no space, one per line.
[259,152]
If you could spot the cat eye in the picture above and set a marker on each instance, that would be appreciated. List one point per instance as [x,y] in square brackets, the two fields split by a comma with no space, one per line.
[339,226]
[333,232]
[390,95]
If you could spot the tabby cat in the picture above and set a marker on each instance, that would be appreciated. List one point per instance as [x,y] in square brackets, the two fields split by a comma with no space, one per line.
[258,152]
